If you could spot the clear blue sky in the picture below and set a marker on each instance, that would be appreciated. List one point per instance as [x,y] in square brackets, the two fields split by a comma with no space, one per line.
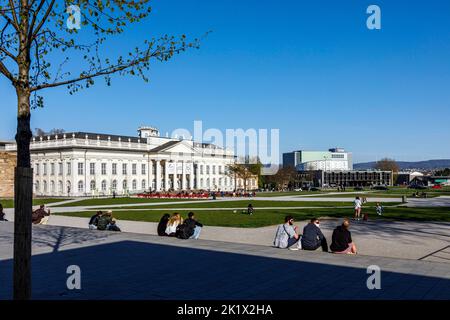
[310,68]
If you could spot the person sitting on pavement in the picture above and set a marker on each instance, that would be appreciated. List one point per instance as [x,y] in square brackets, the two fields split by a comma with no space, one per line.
[112,226]
[162,225]
[313,237]
[342,242]
[2,214]
[93,222]
[104,220]
[40,216]
[173,223]
[193,227]
[287,236]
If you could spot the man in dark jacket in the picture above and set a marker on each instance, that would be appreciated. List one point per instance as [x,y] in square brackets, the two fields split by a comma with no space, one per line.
[193,225]
[93,222]
[313,237]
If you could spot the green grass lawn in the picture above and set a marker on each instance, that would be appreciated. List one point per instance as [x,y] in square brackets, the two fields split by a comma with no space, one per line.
[256,204]
[9,203]
[111,201]
[269,217]
[289,193]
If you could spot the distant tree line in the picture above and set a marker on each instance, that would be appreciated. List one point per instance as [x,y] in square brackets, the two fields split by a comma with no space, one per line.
[38,132]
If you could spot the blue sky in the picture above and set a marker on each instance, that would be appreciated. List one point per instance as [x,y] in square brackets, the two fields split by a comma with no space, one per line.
[309,68]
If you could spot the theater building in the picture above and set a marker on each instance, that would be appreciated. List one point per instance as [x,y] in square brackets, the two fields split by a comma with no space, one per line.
[91,164]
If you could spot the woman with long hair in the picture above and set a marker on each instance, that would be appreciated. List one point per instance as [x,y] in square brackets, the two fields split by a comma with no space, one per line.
[173,223]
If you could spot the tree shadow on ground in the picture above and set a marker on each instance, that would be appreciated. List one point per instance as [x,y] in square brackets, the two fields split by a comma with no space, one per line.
[139,270]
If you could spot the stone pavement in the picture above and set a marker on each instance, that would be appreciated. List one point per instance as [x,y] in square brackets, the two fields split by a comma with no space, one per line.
[395,239]
[136,266]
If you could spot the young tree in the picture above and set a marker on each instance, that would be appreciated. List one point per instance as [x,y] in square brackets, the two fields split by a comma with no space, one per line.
[34,34]
[387,164]
[244,170]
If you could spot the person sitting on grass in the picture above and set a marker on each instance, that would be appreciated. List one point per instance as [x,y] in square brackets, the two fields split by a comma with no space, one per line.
[379,208]
[162,225]
[112,226]
[173,223]
[250,209]
[40,216]
[287,236]
[313,237]
[93,222]
[342,242]
[104,220]
[2,214]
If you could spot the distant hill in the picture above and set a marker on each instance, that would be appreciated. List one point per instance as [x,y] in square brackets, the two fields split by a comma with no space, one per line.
[404,165]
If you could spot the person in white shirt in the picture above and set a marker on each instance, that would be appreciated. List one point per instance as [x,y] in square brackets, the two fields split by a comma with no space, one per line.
[173,223]
[358,206]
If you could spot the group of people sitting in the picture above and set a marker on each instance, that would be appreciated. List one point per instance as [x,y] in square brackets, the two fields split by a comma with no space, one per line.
[175,226]
[103,221]
[39,216]
[287,236]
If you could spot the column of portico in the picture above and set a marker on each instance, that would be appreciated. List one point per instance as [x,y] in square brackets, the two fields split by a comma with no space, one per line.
[191,177]
[197,175]
[150,174]
[158,175]
[166,176]
[183,176]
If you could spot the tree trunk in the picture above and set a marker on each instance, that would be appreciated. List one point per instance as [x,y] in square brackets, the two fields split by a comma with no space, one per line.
[23,193]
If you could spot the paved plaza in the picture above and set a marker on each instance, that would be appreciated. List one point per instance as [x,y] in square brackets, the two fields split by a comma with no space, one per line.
[137,266]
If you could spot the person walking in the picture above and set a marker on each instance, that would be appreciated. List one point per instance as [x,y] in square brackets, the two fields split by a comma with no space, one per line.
[358,207]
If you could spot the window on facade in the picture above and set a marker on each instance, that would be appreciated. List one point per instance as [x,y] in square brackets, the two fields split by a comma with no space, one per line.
[201,183]
[143,168]
[104,169]
[92,168]
[207,169]
[80,186]
[52,169]
[69,168]
[214,169]
[45,186]
[133,169]
[201,169]
[52,186]
[134,184]
[104,185]
[114,185]
[37,169]
[114,168]
[36,186]
[124,168]
[45,168]
[60,169]
[220,170]
[143,185]
[124,185]
[208,183]
[80,168]
[220,182]
[92,185]
[60,186]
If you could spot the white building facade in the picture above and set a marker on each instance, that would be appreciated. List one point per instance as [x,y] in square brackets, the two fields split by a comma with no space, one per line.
[89,164]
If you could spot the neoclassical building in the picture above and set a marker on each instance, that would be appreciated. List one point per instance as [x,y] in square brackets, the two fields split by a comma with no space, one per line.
[90,164]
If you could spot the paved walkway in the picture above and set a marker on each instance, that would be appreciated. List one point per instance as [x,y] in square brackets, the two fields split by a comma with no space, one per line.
[134,266]
[396,239]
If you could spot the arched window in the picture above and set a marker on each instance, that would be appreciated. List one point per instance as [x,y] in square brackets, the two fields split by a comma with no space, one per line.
[208,183]
[45,186]
[124,185]
[143,185]
[52,186]
[80,186]
[134,184]
[104,185]
[92,185]
[69,186]
[60,186]
[201,183]
[114,185]
[36,186]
